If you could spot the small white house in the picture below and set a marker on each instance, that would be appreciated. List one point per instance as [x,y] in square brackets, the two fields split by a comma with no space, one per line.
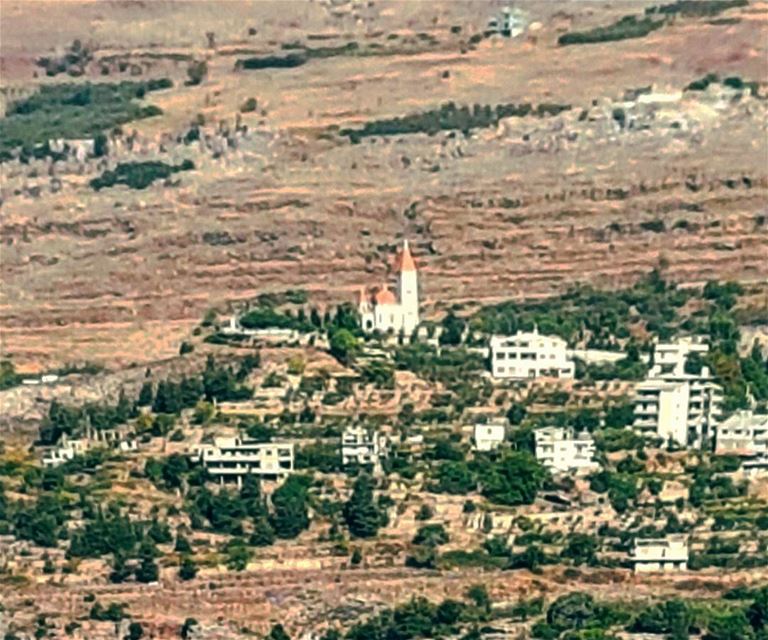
[488,436]
[660,554]
[530,355]
[362,446]
[562,450]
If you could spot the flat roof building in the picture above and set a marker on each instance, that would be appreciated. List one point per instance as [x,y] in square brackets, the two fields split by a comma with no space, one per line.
[233,458]
[528,354]
[562,450]
[666,554]
[745,433]
[489,435]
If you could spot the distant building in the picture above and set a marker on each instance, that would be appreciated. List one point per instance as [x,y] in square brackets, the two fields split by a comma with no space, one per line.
[66,450]
[363,447]
[562,450]
[489,435]
[530,355]
[675,405]
[744,433]
[755,467]
[392,312]
[660,554]
[234,458]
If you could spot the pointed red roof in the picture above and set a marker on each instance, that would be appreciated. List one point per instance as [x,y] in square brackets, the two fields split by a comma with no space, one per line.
[404,260]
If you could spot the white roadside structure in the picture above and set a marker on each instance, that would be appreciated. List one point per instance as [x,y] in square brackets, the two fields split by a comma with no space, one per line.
[490,435]
[363,447]
[393,312]
[678,407]
[562,450]
[234,458]
[745,434]
[666,554]
[528,354]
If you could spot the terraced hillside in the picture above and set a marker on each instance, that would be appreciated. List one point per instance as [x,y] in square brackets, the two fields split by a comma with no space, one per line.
[636,173]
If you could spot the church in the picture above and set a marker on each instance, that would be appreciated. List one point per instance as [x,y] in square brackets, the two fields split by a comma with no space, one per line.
[393,311]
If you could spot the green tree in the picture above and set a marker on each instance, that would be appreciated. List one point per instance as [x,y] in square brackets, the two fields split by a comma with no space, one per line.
[478,594]
[343,346]
[135,631]
[362,515]
[431,535]
[263,534]
[146,395]
[514,480]
[277,633]
[453,329]
[581,548]
[571,611]
[672,617]
[187,568]
[289,502]
[455,478]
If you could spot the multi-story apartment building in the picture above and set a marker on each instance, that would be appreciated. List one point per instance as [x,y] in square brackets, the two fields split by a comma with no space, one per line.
[234,458]
[562,450]
[364,447]
[660,554]
[675,405]
[744,433]
[489,435]
[530,355]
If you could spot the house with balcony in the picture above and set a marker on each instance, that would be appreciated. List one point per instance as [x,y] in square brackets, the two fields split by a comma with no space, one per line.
[666,554]
[562,450]
[528,354]
[675,403]
[231,459]
[744,434]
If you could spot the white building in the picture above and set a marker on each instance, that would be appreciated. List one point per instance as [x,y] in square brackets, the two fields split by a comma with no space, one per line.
[744,433]
[530,355]
[674,405]
[488,436]
[387,311]
[562,450]
[660,554]
[364,447]
[66,450]
[236,457]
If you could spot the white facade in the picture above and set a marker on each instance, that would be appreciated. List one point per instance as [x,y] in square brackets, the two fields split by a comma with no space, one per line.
[674,405]
[562,450]
[65,451]
[387,311]
[363,447]
[490,435]
[744,433]
[530,355]
[235,457]
[660,554]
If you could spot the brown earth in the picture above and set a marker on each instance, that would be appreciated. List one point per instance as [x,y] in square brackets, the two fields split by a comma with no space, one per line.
[121,275]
